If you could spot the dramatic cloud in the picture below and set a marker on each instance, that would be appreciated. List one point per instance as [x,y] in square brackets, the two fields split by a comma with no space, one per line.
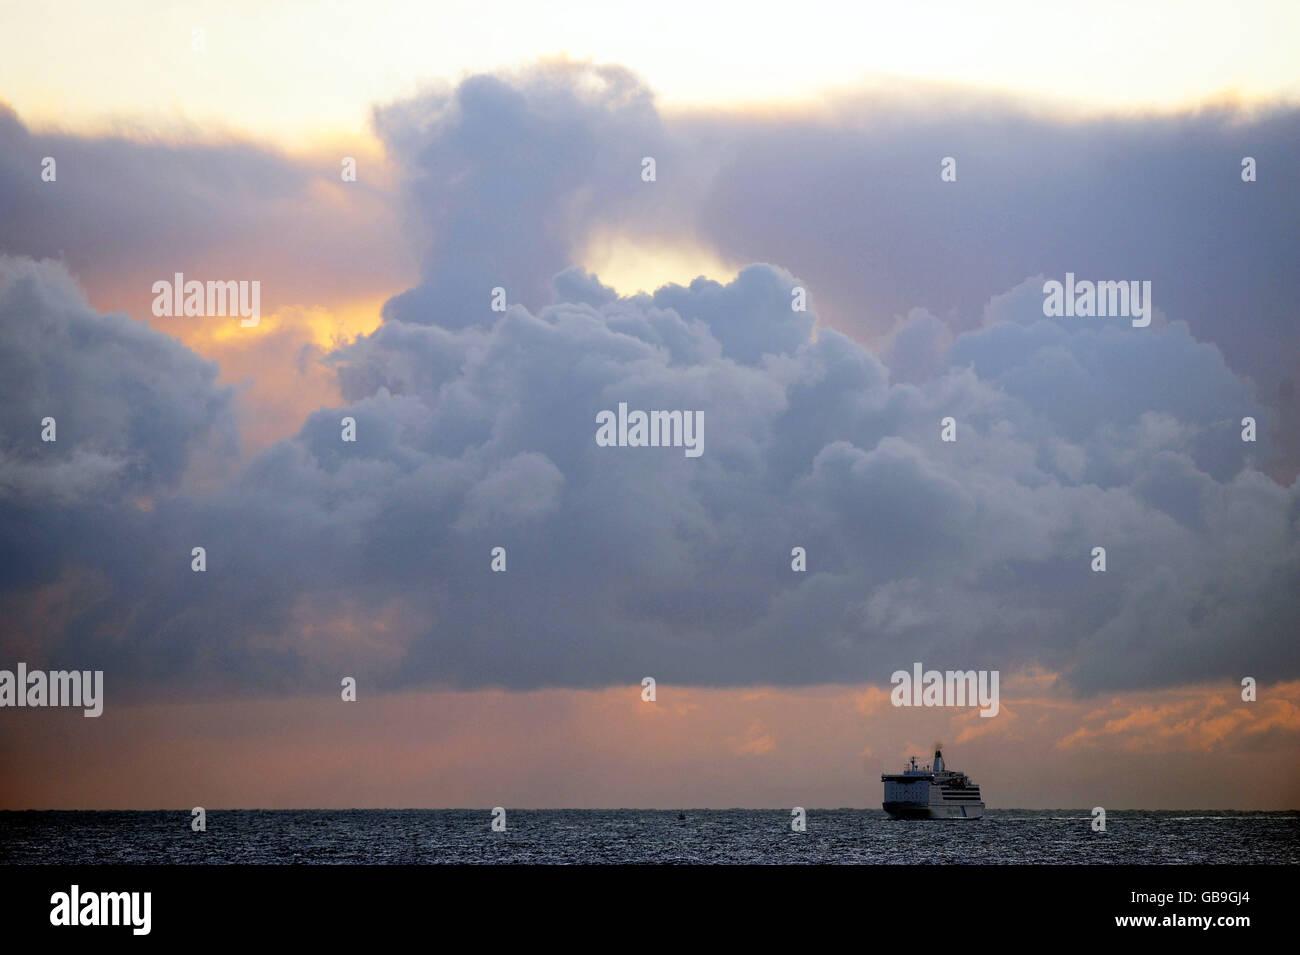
[476,430]
[506,178]
[125,211]
[130,410]
[512,178]
[626,561]
[851,199]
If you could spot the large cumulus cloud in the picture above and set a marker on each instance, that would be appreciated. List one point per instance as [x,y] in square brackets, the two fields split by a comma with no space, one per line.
[511,176]
[506,174]
[134,414]
[477,430]
[374,556]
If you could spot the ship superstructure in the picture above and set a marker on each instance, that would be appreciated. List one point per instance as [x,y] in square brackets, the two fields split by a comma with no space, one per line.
[931,792]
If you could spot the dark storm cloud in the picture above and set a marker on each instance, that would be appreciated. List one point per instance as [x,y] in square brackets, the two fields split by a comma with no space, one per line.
[477,430]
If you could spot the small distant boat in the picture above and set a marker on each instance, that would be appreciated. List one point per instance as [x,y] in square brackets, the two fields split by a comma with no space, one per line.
[681,815]
[931,792]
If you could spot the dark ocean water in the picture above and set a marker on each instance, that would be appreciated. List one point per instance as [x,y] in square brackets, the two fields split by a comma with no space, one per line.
[650,836]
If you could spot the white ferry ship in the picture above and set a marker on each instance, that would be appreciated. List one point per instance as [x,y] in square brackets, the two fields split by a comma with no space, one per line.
[931,792]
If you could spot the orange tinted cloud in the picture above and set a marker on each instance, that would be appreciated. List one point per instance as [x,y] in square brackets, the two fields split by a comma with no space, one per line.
[693,747]
[277,363]
[1199,719]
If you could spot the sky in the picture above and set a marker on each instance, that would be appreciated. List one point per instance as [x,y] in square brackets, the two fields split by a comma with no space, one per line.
[504,146]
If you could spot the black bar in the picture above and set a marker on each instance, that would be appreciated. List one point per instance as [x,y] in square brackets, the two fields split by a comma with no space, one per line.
[876,905]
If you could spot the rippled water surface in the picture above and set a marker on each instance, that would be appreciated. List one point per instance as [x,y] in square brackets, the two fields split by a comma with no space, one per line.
[630,835]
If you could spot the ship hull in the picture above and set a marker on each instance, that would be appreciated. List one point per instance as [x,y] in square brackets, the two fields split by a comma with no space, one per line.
[900,810]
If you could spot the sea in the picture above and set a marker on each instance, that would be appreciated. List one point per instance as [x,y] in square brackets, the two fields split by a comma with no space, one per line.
[599,836]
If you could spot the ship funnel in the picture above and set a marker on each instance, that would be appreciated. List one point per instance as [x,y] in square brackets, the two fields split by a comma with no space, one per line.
[938,761]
